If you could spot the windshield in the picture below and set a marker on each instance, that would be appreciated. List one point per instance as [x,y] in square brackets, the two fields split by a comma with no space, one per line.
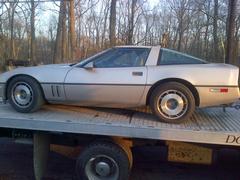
[85,61]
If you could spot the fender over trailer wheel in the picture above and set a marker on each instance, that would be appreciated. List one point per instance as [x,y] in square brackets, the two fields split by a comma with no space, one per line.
[103,160]
[126,146]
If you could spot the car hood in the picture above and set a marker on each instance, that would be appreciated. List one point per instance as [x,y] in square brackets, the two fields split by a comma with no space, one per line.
[55,65]
[52,73]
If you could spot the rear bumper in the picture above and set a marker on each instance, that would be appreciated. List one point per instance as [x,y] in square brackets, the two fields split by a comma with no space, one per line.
[211,96]
[2,92]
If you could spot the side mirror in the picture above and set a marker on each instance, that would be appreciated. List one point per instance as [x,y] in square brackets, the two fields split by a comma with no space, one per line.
[89,66]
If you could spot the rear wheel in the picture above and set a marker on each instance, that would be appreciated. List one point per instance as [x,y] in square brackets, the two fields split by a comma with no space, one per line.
[172,102]
[103,161]
[25,94]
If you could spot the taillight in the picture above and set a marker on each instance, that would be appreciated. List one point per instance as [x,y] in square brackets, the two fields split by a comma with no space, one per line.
[224,90]
[219,90]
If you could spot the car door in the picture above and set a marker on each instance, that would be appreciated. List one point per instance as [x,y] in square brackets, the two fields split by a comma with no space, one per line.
[115,78]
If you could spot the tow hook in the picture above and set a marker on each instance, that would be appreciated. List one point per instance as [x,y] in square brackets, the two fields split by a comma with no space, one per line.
[233,105]
[237,106]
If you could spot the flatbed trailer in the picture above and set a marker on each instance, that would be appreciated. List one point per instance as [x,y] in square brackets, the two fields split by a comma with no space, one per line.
[217,126]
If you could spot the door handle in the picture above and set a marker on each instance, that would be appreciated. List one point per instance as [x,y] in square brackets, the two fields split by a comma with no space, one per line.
[137,73]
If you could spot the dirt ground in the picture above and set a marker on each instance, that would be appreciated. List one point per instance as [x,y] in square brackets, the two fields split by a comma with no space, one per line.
[16,164]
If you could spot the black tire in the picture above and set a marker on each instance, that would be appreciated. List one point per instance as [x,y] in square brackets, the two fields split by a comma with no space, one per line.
[36,99]
[102,149]
[182,91]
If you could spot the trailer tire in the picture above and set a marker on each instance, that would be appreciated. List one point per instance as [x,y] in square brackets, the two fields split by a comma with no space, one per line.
[103,160]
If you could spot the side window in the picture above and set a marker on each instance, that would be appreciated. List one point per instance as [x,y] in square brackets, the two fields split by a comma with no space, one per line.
[122,57]
[170,57]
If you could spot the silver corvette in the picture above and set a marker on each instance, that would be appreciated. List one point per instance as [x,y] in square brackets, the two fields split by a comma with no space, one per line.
[171,83]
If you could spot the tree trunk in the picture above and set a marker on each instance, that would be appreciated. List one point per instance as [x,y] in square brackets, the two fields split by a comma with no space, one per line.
[103,40]
[11,14]
[33,39]
[64,33]
[180,34]
[57,56]
[181,28]
[131,22]
[112,25]
[72,30]
[230,31]
[237,44]
[206,31]
[215,30]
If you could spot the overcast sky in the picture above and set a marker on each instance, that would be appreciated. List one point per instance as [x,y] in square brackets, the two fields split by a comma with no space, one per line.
[45,12]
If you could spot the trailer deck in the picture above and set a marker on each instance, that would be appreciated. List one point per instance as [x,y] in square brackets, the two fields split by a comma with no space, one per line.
[209,125]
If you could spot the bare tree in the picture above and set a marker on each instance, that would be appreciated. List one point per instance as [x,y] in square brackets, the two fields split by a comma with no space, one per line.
[232,5]
[215,30]
[72,30]
[112,24]
[131,22]
[33,39]
[57,56]
[64,33]
[11,16]
[198,27]
[206,34]
[181,10]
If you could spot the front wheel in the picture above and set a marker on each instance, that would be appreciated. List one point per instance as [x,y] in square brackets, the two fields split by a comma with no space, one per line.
[172,102]
[25,94]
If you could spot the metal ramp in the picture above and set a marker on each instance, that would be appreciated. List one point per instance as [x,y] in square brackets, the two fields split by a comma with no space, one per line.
[209,125]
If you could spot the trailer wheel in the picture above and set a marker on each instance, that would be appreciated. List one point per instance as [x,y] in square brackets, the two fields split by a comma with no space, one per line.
[103,161]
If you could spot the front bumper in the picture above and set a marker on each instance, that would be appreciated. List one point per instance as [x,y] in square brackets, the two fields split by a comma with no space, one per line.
[2,92]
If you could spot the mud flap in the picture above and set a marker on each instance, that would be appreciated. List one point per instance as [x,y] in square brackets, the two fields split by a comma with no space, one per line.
[41,146]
